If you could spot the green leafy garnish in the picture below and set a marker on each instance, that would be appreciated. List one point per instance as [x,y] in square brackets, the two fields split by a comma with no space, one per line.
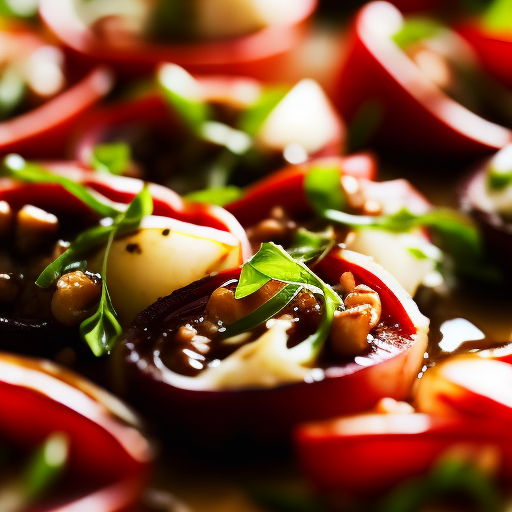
[252,119]
[307,246]
[414,30]
[499,170]
[322,186]
[498,17]
[179,88]
[111,158]
[219,196]
[46,466]
[18,168]
[16,9]
[272,262]
[448,478]
[22,488]
[102,329]
[12,91]
[452,231]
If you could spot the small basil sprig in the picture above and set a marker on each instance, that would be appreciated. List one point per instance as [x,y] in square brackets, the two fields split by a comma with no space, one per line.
[452,231]
[102,329]
[307,246]
[180,90]
[448,478]
[38,476]
[18,168]
[111,158]
[219,196]
[272,262]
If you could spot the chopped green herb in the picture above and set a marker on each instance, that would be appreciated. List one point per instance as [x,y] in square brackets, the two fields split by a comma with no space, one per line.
[453,232]
[364,124]
[12,91]
[273,262]
[322,186]
[253,118]
[46,466]
[218,196]
[498,17]
[448,478]
[111,158]
[499,171]
[102,329]
[17,168]
[414,30]
[180,90]
[307,246]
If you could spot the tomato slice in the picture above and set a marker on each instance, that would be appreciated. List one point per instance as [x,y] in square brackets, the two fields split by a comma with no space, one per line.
[390,368]
[109,458]
[370,453]
[378,76]
[260,55]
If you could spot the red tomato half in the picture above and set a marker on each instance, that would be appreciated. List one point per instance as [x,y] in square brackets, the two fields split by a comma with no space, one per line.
[261,54]
[387,370]
[109,459]
[415,116]
[285,188]
[43,131]
[371,453]
[494,50]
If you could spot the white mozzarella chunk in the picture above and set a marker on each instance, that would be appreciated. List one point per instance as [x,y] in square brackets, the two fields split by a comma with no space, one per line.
[264,363]
[304,117]
[398,253]
[162,256]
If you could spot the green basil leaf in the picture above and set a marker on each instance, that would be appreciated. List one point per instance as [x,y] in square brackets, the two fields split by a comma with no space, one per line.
[322,186]
[85,241]
[265,312]
[102,329]
[46,466]
[251,280]
[498,17]
[273,262]
[307,246]
[17,168]
[141,206]
[414,30]
[448,478]
[26,10]
[179,87]
[218,196]
[308,350]
[111,158]
[252,118]
[12,91]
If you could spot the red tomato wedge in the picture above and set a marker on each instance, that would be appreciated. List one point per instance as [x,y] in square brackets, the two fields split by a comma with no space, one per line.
[389,369]
[414,115]
[109,458]
[370,453]
[260,54]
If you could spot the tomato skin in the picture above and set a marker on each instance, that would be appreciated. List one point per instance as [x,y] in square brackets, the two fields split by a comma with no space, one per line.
[120,189]
[370,453]
[285,187]
[261,55]
[494,50]
[377,72]
[26,336]
[108,455]
[43,131]
[265,413]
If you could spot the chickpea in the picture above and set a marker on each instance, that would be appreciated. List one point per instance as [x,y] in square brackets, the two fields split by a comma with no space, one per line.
[76,294]
[34,227]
